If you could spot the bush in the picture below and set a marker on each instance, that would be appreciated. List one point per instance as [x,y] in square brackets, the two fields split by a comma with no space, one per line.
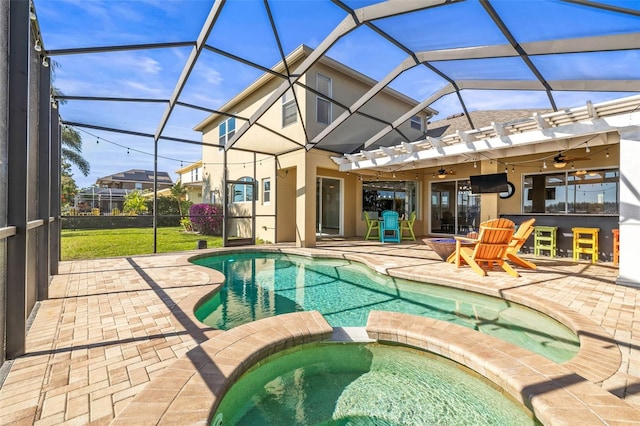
[206,218]
[167,207]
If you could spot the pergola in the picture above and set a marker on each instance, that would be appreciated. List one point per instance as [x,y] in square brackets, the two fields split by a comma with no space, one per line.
[448,55]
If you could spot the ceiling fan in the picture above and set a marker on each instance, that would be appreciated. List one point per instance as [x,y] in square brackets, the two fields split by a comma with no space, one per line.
[561,160]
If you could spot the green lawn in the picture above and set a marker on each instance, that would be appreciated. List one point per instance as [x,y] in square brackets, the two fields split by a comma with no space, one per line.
[91,244]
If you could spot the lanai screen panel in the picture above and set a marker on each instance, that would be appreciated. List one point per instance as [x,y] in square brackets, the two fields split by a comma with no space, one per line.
[478,55]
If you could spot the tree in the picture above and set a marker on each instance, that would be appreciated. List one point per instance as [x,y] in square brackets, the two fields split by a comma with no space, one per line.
[68,187]
[72,150]
[71,143]
[178,191]
[134,203]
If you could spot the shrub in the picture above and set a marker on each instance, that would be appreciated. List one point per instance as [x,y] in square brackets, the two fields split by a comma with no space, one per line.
[206,218]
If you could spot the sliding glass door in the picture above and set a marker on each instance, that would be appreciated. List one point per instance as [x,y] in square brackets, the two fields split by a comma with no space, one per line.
[454,209]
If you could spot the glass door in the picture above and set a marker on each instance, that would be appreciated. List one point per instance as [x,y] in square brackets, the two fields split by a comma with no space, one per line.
[328,206]
[454,209]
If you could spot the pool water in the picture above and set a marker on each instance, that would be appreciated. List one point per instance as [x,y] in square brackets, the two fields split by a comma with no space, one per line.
[260,285]
[364,384]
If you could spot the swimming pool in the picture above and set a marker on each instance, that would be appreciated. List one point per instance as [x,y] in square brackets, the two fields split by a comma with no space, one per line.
[260,284]
[364,384]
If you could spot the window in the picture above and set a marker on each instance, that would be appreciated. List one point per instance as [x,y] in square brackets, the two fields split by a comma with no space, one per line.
[399,196]
[266,191]
[226,130]
[194,175]
[289,110]
[138,186]
[574,192]
[323,106]
[243,192]
[416,123]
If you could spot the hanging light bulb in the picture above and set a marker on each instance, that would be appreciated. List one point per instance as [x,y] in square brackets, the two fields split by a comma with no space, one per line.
[45,62]
[37,46]
[127,151]
[607,154]
[97,141]
[544,165]
[587,149]
[506,168]
[394,174]
[513,169]
[475,165]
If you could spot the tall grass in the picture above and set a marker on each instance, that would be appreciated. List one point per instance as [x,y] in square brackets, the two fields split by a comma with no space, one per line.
[91,244]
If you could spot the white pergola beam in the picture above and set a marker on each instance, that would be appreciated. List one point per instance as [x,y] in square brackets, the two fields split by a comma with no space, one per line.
[541,136]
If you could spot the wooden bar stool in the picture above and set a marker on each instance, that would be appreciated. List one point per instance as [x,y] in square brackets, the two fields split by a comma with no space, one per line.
[544,238]
[585,241]
[616,246]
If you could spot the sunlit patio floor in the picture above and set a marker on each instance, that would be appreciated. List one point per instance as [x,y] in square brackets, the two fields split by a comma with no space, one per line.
[111,326]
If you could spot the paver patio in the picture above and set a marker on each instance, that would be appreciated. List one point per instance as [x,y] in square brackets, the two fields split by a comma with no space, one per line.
[112,325]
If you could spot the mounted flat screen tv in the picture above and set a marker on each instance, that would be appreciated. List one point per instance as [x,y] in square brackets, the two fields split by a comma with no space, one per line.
[489,184]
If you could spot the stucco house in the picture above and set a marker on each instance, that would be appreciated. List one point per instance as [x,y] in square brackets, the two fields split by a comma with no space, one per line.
[330,205]
[190,176]
[329,166]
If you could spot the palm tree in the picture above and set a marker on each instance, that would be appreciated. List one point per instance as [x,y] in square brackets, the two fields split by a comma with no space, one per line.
[178,191]
[71,141]
[72,150]
[134,203]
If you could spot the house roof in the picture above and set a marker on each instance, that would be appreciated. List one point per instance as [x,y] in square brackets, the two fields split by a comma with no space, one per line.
[137,175]
[462,122]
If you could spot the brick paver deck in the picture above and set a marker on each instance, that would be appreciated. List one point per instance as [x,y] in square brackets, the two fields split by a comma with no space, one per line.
[113,325]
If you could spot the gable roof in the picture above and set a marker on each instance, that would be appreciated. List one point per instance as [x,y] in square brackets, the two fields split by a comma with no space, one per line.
[137,175]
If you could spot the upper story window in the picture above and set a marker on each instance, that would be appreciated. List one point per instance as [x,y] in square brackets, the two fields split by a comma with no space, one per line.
[289,111]
[266,191]
[574,192]
[194,175]
[323,106]
[243,192]
[416,123]
[138,185]
[226,130]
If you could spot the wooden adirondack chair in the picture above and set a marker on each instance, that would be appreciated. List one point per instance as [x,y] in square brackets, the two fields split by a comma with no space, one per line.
[519,238]
[491,248]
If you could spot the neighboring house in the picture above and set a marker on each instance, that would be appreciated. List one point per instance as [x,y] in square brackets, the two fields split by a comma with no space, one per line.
[562,167]
[110,192]
[142,180]
[191,177]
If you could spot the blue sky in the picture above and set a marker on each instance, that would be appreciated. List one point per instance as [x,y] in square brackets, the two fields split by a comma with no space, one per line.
[243,29]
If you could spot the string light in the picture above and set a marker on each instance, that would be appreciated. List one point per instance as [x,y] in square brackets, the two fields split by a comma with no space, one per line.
[506,168]
[587,149]
[97,141]
[544,165]
[45,62]
[127,151]
[37,46]
[513,169]
[607,154]
[475,165]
